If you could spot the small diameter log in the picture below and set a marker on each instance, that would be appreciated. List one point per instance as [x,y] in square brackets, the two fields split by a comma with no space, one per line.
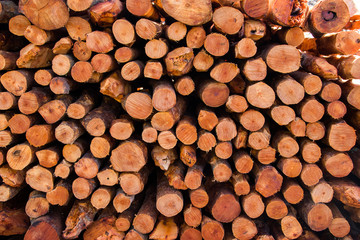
[194,175]
[48,157]
[138,105]
[103,63]
[330,92]
[16,220]
[346,191]
[81,215]
[31,101]
[62,64]
[240,184]
[176,31]
[37,205]
[176,175]
[32,56]
[310,174]
[63,46]
[83,72]
[129,156]
[310,151]
[82,188]
[199,197]
[221,169]
[55,110]
[195,37]
[143,8]
[11,177]
[132,70]
[288,90]
[149,134]
[254,29]
[121,129]
[212,229]
[292,191]
[98,120]
[115,86]
[81,51]
[216,44]
[289,54]
[268,180]
[60,195]
[336,109]
[240,140]
[100,147]
[339,226]
[347,66]
[125,54]
[122,201]
[254,69]
[5,119]
[163,157]
[292,36]
[68,131]
[203,61]
[252,204]
[260,95]
[108,176]
[153,70]
[338,164]
[20,156]
[228,20]
[206,141]
[317,216]
[133,234]
[124,32]
[167,139]
[18,24]
[297,127]
[7,138]
[7,192]
[312,84]
[37,35]
[134,183]
[343,43]
[321,192]
[87,166]
[252,120]
[7,101]
[207,119]
[245,48]
[244,228]
[8,60]
[40,179]
[311,110]
[224,72]
[101,197]
[189,233]
[186,130]
[16,81]
[48,226]
[184,85]
[276,208]
[225,129]
[224,150]
[105,13]
[43,76]
[73,152]
[315,131]
[340,136]
[351,93]
[99,42]
[146,217]
[290,167]
[213,94]
[236,103]
[40,135]
[291,227]
[282,114]
[63,169]
[61,85]
[179,61]
[260,139]
[147,29]
[318,66]
[156,48]
[124,219]
[169,202]
[166,228]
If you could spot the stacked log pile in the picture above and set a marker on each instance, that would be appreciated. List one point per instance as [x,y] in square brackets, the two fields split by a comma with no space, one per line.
[179,119]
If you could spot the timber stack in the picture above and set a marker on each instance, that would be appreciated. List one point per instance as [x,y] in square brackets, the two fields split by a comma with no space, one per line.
[179,119]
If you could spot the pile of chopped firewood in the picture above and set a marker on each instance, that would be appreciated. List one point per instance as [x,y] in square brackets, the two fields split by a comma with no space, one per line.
[179,119]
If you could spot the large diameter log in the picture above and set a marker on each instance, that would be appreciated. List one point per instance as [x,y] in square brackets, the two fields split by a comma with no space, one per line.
[288,13]
[276,55]
[40,179]
[13,221]
[317,216]
[42,13]
[260,95]
[340,136]
[188,12]
[228,20]
[328,16]
[48,226]
[129,156]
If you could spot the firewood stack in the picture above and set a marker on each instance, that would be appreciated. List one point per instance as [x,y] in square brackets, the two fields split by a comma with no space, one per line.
[179,119]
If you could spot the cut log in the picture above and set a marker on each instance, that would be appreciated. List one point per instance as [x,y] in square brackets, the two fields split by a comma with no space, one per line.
[143,8]
[288,90]
[254,69]
[163,157]
[221,169]
[290,167]
[260,95]
[340,136]
[268,180]
[122,201]
[289,14]
[346,191]
[87,166]
[82,188]
[255,9]
[293,36]
[212,229]
[129,156]
[40,179]
[195,37]
[245,48]
[145,219]
[33,56]
[199,197]
[40,135]
[138,105]
[13,221]
[48,226]
[317,216]
[81,51]
[18,24]
[73,152]
[100,147]
[63,169]
[276,208]
[310,151]
[224,72]
[321,192]
[11,177]
[252,204]
[315,131]
[203,61]
[260,139]
[55,110]
[101,197]
[60,195]
[176,31]
[49,157]
[153,70]
[318,66]
[216,44]
[37,205]
[289,54]
[292,192]
[166,228]
[20,156]
[63,46]
[338,164]
[244,228]
[134,183]
[108,176]
[311,174]
[194,175]
[312,84]
[37,35]
[99,42]
[169,202]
